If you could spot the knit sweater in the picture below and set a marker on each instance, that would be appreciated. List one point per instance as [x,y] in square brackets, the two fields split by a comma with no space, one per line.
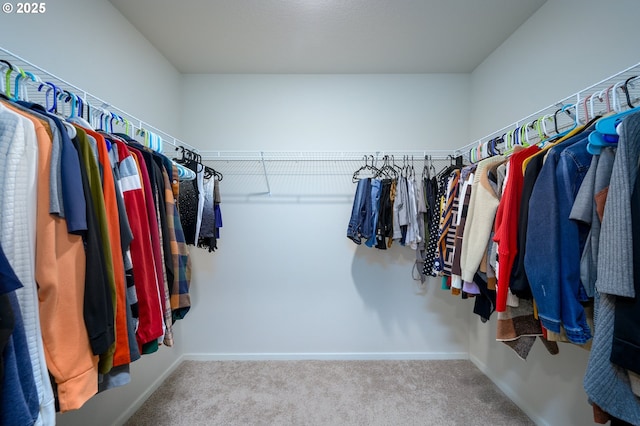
[18,180]
[607,384]
[480,216]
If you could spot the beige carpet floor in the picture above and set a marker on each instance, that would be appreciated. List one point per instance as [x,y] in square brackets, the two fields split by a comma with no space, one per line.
[328,393]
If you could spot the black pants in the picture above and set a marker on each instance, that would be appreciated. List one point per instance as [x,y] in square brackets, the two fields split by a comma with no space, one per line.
[384,228]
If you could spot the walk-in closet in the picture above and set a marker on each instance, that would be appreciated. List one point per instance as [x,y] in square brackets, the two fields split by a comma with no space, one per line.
[319,212]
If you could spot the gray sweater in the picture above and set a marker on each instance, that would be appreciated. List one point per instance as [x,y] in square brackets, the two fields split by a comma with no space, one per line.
[606,384]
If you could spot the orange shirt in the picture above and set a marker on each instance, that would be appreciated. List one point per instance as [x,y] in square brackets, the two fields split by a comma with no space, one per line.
[60,273]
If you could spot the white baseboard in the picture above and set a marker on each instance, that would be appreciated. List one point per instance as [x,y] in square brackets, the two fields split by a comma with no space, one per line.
[324,356]
[507,390]
[147,393]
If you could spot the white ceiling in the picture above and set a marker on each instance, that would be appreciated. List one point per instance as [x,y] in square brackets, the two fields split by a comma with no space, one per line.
[326,36]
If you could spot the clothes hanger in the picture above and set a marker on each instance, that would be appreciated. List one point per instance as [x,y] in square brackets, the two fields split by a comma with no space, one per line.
[74,102]
[79,116]
[413,170]
[387,169]
[584,106]
[600,97]
[29,77]
[54,107]
[7,81]
[355,177]
[182,160]
[538,129]
[127,126]
[426,172]
[397,168]
[524,137]
[565,109]
[16,85]
[513,140]
[185,173]
[607,125]
[600,137]
[625,87]
[484,149]
[365,167]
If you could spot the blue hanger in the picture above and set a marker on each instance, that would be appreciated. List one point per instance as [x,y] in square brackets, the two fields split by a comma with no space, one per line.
[103,120]
[73,104]
[596,142]
[53,87]
[80,107]
[21,75]
[607,125]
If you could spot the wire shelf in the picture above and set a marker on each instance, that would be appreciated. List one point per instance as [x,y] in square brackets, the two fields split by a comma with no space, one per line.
[99,106]
[605,96]
[312,175]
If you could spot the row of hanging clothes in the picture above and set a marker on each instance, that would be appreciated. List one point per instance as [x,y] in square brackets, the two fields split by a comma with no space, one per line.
[393,203]
[93,251]
[548,234]
[199,200]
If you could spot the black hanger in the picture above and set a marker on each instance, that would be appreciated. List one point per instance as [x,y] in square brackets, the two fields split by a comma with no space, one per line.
[366,167]
[396,167]
[4,61]
[208,172]
[182,159]
[625,88]
[387,170]
[453,165]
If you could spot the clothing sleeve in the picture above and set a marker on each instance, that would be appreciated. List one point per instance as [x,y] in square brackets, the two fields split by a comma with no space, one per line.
[574,319]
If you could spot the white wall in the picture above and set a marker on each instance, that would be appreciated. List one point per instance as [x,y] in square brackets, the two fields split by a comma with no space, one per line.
[89,44]
[286,281]
[325,112]
[565,46]
[283,283]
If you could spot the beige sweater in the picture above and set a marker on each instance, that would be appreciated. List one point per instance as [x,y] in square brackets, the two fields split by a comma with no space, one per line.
[480,217]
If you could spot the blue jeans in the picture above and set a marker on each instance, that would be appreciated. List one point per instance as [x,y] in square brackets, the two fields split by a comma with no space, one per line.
[371,222]
[361,205]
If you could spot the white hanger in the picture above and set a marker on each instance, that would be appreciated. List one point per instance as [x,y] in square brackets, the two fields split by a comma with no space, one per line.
[617,105]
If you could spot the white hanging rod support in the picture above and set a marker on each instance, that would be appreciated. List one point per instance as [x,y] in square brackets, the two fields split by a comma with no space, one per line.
[266,176]
[85,95]
[578,95]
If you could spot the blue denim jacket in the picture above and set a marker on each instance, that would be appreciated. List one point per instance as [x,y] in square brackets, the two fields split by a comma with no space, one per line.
[552,257]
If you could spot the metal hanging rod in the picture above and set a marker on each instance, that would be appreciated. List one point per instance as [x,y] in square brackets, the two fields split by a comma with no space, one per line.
[96,103]
[298,156]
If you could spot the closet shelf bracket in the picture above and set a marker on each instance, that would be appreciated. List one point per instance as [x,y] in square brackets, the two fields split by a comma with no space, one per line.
[266,175]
